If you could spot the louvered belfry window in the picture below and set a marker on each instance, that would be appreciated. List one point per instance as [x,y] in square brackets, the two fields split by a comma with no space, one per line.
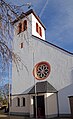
[22,26]
[38,29]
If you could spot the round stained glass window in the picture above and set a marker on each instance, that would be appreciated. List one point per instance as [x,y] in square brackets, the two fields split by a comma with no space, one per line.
[41,70]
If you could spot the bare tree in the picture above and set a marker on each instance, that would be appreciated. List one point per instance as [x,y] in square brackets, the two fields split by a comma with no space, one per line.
[8,12]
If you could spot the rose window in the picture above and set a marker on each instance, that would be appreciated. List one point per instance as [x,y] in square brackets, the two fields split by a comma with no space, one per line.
[41,70]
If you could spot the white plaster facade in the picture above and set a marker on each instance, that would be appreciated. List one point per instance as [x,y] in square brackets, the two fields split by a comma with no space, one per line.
[36,49]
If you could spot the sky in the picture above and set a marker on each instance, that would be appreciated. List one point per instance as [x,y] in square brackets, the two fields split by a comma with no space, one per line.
[57,16]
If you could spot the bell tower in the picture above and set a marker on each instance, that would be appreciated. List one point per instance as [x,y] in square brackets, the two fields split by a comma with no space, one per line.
[29,23]
[26,26]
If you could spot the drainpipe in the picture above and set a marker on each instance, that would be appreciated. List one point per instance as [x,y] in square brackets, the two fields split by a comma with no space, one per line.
[57,104]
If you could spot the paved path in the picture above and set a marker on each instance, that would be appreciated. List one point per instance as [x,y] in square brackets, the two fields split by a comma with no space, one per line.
[3,116]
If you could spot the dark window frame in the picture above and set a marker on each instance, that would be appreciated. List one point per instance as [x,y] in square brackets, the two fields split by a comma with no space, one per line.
[23,101]
[21,45]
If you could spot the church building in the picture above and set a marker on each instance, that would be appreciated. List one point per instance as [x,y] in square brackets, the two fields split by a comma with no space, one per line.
[43,86]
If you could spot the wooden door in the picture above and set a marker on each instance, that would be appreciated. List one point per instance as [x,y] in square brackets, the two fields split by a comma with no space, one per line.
[40,106]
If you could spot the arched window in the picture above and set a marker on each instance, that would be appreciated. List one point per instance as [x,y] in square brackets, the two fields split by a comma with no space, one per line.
[24,25]
[20,28]
[18,101]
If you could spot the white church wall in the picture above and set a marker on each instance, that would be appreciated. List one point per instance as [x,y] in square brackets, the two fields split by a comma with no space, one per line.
[31,105]
[63,95]
[23,80]
[60,61]
[61,75]
[51,104]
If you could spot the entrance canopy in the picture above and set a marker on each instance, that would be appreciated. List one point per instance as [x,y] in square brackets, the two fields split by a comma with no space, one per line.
[43,87]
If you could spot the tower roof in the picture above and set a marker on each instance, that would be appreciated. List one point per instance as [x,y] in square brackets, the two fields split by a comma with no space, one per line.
[26,14]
